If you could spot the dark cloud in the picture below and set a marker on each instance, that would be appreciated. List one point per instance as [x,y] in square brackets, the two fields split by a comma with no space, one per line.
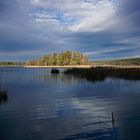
[131,9]
[8,9]
[34,37]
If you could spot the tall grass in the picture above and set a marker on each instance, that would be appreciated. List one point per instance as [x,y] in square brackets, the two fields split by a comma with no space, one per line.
[3,92]
[3,96]
[101,73]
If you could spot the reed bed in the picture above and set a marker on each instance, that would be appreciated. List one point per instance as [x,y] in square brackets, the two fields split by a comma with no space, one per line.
[101,73]
[3,96]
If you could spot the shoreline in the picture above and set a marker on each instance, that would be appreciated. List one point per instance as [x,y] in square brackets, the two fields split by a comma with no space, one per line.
[117,66]
[11,66]
[86,66]
[77,66]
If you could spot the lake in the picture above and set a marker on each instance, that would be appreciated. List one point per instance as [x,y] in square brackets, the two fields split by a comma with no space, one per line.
[44,106]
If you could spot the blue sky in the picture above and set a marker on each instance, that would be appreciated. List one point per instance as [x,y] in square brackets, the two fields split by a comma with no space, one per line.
[101,29]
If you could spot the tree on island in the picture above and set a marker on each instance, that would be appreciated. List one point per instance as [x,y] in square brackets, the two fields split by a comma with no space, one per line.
[60,59]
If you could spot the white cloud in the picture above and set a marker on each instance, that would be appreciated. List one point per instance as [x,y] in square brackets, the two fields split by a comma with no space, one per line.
[96,19]
[35,2]
[87,15]
[103,51]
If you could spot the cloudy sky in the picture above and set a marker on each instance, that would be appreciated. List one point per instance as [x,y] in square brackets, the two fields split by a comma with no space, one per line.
[101,29]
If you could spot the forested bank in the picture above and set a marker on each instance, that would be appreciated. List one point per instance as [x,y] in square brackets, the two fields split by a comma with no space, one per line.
[60,59]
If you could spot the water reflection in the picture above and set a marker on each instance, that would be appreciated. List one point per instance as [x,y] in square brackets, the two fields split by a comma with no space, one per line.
[60,78]
[73,118]
[60,107]
[108,134]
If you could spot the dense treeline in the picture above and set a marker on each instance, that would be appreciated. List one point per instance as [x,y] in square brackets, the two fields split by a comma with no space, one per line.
[12,63]
[60,59]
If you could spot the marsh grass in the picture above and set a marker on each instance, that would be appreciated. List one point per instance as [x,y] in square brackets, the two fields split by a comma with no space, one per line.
[3,91]
[101,73]
[3,96]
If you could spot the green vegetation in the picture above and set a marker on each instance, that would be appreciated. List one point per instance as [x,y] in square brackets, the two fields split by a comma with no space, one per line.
[129,61]
[69,58]
[12,64]
[101,73]
[60,59]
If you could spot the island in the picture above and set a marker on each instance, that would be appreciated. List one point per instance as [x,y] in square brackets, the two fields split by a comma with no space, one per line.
[72,59]
[66,58]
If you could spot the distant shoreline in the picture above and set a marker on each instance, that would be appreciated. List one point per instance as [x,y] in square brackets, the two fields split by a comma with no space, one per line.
[86,66]
[11,66]
[77,66]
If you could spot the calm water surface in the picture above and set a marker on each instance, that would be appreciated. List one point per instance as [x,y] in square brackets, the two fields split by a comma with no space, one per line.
[42,106]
